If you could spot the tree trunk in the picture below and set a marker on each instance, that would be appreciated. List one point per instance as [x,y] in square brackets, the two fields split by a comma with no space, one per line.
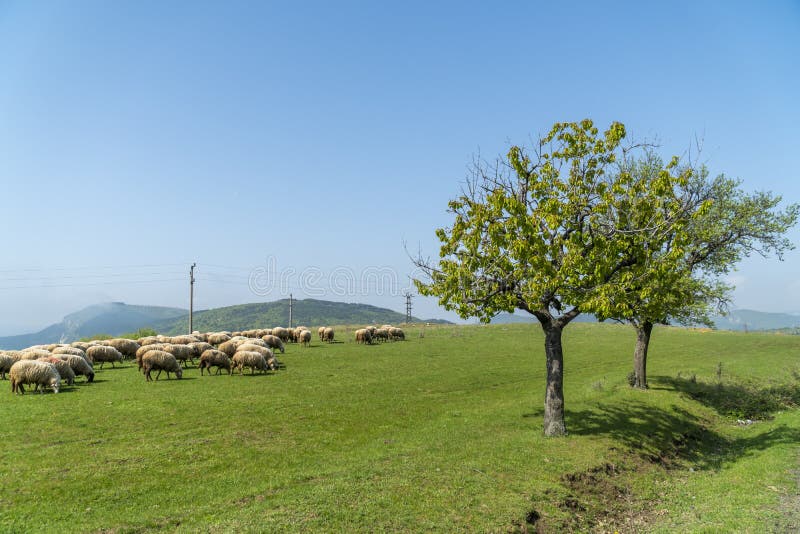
[643,331]
[554,393]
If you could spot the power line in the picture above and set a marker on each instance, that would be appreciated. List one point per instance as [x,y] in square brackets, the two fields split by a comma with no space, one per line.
[87,267]
[116,282]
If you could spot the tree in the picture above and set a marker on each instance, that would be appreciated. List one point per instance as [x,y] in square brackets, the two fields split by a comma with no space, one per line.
[541,232]
[723,224]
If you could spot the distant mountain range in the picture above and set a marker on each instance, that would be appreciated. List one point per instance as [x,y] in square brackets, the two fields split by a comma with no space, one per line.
[116,318]
[113,318]
[742,320]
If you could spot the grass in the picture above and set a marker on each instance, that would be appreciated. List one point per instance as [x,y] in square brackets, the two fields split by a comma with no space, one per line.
[437,433]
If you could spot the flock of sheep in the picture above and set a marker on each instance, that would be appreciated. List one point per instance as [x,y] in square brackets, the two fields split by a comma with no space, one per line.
[47,366]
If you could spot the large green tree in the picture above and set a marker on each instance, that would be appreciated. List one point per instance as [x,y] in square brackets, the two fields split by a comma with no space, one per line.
[542,231]
[723,224]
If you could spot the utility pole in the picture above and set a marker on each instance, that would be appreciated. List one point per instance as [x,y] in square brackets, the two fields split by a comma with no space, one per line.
[408,308]
[191,297]
[290,310]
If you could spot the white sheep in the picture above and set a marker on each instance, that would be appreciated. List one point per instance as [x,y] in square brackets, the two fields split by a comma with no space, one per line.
[274,342]
[160,361]
[80,366]
[103,354]
[214,358]
[253,360]
[64,370]
[33,372]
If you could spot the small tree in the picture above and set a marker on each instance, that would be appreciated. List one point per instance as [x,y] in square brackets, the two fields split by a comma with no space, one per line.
[544,233]
[723,224]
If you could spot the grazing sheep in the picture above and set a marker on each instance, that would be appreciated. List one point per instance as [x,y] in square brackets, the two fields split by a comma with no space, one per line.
[182,352]
[126,347]
[253,360]
[201,346]
[218,338]
[64,370]
[281,333]
[149,340]
[363,335]
[104,354]
[144,349]
[34,354]
[182,340]
[396,334]
[33,372]
[382,334]
[247,347]
[274,342]
[305,338]
[228,347]
[321,333]
[6,361]
[160,361]
[79,345]
[70,350]
[327,335]
[214,358]
[79,366]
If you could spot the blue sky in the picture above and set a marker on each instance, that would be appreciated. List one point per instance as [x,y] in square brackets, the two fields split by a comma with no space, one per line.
[139,137]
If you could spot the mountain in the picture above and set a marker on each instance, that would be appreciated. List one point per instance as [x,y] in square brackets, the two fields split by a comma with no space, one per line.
[310,312]
[113,318]
[525,317]
[743,320]
[756,320]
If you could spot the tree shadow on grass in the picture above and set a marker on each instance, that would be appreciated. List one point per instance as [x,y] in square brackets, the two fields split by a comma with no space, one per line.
[744,400]
[674,437]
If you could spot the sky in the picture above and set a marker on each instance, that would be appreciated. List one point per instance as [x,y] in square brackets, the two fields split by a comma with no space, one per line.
[291,147]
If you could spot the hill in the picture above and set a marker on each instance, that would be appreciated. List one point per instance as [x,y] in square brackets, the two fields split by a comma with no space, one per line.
[310,312]
[113,318]
[745,320]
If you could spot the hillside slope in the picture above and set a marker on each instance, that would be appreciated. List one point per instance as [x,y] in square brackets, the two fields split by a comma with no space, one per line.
[309,312]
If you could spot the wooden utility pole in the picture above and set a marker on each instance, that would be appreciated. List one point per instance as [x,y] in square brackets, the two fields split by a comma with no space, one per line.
[408,308]
[191,297]
[290,310]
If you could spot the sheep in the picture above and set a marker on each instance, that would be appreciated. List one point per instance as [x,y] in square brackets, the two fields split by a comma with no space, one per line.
[149,340]
[144,349]
[6,361]
[201,346]
[305,338]
[397,334]
[228,347]
[64,369]
[79,345]
[265,352]
[127,347]
[70,350]
[327,335]
[34,354]
[214,358]
[382,334]
[274,342]
[321,333]
[281,333]
[161,361]
[104,354]
[33,372]
[182,352]
[79,366]
[182,340]
[253,360]
[363,335]
[218,338]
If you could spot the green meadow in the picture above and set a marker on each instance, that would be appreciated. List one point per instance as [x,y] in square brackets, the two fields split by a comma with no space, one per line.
[439,433]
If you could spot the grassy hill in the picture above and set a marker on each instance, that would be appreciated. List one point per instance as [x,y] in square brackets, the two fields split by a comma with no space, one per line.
[309,312]
[442,432]
[113,318]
